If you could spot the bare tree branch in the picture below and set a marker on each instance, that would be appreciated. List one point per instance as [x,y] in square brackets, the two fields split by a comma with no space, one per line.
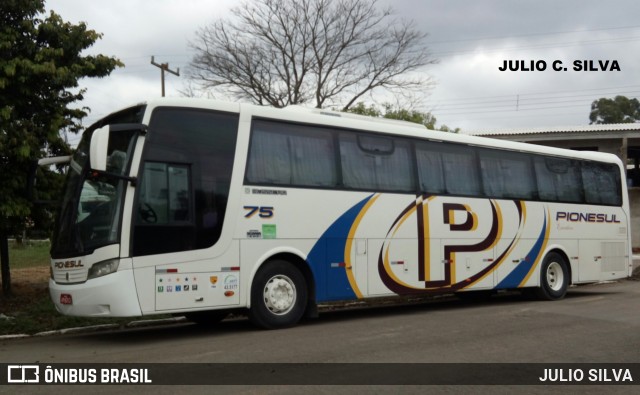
[329,52]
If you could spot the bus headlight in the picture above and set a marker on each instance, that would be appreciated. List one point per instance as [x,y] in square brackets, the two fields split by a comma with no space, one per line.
[103,268]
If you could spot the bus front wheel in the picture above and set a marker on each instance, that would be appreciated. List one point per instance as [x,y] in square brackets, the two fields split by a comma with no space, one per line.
[554,277]
[278,296]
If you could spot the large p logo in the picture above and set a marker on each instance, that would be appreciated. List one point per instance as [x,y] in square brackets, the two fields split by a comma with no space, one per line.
[470,221]
[457,217]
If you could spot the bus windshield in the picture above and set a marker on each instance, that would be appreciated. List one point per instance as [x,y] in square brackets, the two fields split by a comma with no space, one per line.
[91,206]
[92,202]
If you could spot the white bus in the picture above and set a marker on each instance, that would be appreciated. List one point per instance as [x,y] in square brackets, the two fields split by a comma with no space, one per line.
[199,208]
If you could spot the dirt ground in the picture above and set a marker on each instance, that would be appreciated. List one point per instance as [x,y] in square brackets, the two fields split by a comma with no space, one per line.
[26,285]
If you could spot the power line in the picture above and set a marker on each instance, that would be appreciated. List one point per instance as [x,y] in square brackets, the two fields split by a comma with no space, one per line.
[537,46]
[534,98]
[535,34]
[522,102]
[490,98]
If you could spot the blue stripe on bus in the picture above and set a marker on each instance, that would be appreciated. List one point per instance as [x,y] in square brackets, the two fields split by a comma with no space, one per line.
[518,274]
[333,283]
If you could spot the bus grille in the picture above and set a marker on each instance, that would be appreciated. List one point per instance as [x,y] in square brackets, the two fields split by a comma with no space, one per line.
[70,276]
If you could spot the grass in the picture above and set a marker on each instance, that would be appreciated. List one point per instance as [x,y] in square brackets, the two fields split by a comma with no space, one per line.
[29,254]
[30,309]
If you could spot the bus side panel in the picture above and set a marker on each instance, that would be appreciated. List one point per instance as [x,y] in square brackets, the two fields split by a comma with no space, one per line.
[189,280]
[522,246]
[595,239]
[317,225]
[442,244]
[385,244]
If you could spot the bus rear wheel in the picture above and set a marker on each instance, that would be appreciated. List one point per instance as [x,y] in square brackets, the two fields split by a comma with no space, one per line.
[278,296]
[554,278]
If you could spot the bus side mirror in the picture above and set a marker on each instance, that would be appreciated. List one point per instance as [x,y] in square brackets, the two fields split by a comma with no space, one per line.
[98,148]
[32,176]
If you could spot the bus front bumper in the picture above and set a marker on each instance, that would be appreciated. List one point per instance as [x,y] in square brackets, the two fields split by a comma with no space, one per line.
[113,295]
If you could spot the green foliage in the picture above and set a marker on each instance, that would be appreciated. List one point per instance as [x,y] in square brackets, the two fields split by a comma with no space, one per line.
[41,63]
[31,254]
[362,109]
[621,109]
[423,118]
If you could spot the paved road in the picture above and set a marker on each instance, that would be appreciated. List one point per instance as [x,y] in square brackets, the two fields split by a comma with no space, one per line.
[593,324]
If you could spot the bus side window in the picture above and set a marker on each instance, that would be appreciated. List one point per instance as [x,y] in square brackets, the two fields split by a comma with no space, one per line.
[430,172]
[289,154]
[559,179]
[507,174]
[460,170]
[184,185]
[164,197]
[376,163]
[602,183]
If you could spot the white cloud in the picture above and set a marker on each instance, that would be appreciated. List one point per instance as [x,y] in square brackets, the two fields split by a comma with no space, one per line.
[470,38]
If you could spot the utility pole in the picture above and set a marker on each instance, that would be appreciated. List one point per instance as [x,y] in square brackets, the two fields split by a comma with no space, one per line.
[164,67]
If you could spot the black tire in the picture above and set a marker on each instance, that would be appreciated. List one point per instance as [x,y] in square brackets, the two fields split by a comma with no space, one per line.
[554,278]
[278,296]
[207,318]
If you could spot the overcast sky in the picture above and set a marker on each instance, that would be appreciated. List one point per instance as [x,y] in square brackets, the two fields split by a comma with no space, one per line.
[470,38]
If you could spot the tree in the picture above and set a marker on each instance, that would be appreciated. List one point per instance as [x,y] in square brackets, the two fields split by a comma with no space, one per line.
[40,65]
[618,110]
[423,118]
[283,52]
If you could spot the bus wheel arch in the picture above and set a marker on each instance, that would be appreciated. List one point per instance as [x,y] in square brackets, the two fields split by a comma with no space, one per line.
[282,292]
[555,276]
